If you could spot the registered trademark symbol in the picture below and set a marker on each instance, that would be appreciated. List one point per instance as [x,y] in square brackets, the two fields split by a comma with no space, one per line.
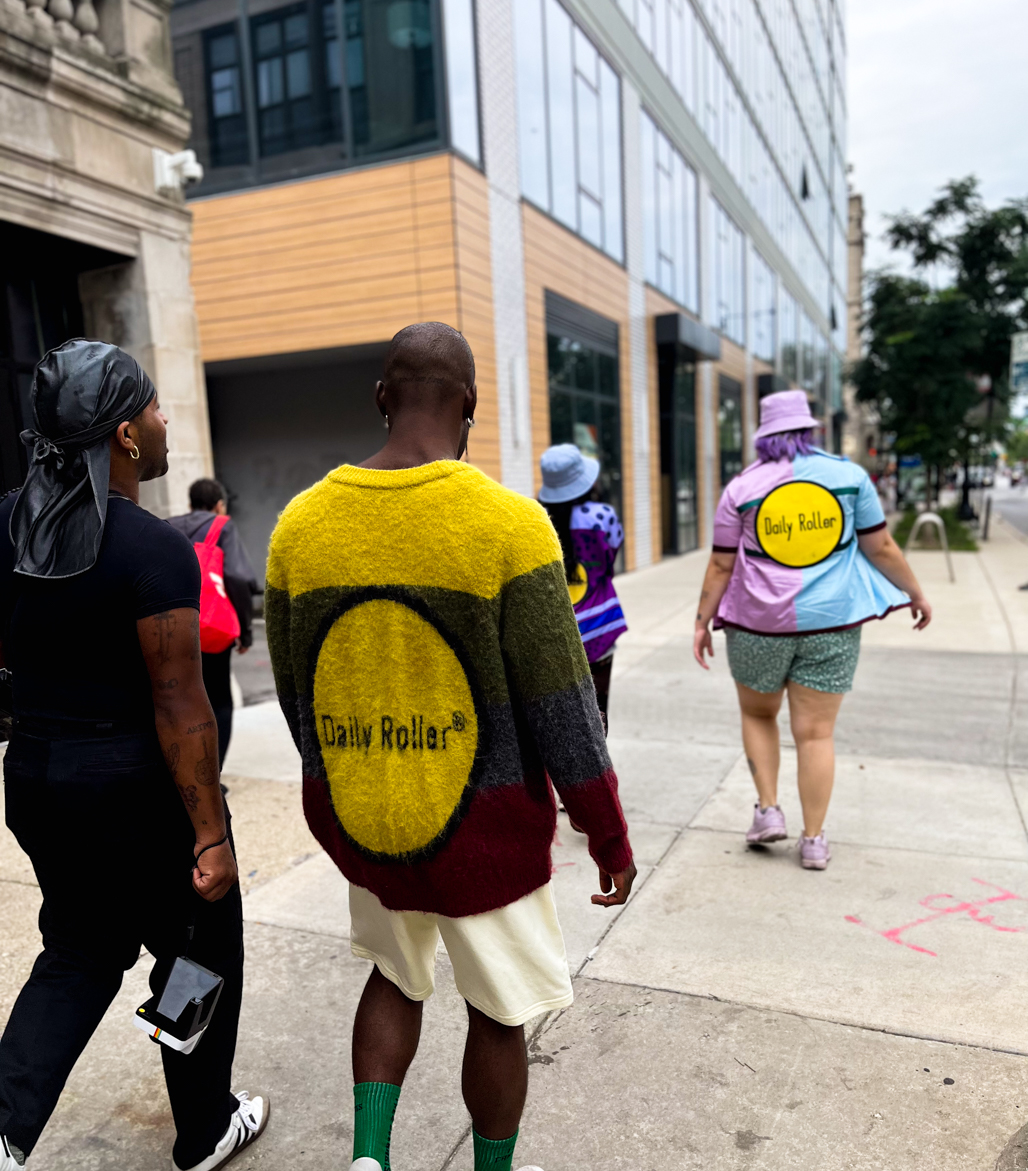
[459,723]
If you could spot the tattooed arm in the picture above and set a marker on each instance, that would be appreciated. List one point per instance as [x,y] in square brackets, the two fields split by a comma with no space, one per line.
[189,738]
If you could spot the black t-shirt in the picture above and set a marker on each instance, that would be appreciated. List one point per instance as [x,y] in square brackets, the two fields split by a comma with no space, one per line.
[71,644]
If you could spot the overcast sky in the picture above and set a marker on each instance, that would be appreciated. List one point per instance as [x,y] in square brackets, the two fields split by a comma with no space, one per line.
[938,89]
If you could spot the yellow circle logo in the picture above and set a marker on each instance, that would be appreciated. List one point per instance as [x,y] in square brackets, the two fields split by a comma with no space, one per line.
[799,524]
[397,725]
[578,584]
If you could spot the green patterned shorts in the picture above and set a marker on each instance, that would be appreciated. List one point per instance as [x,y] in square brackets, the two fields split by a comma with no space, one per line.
[823,662]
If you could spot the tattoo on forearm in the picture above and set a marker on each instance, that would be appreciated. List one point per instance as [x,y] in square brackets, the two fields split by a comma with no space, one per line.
[190,797]
[194,650]
[164,627]
[172,755]
[166,684]
[206,768]
[699,616]
[200,727]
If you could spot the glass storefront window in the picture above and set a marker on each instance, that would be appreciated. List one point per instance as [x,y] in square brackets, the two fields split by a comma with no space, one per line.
[729,427]
[585,407]
[678,479]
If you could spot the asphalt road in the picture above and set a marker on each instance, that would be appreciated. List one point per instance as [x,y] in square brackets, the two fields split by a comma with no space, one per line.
[1013,504]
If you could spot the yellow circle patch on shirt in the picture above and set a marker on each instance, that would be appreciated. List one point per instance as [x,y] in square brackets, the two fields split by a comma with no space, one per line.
[397,726]
[578,584]
[799,524]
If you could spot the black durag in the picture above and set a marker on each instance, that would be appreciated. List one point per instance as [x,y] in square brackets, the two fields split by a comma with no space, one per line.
[81,393]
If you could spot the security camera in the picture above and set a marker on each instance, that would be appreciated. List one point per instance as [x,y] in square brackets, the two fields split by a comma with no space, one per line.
[171,172]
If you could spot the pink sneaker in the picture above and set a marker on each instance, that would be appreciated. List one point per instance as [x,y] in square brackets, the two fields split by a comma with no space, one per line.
[814,852]
[768,825]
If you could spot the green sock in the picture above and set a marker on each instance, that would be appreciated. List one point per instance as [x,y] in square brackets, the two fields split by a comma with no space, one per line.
[374,1104]
[493,1154]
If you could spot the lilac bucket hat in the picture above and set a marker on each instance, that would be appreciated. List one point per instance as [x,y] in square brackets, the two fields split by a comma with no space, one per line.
[786,410]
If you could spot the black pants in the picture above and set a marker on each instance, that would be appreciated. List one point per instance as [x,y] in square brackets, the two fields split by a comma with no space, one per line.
[111,846]
[601,680]
[217,679]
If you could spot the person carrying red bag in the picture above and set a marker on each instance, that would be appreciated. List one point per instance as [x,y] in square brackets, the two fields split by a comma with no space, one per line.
[226,604]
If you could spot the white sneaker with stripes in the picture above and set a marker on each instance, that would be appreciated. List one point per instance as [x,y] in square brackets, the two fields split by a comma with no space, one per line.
[245,1127]
[9,1160]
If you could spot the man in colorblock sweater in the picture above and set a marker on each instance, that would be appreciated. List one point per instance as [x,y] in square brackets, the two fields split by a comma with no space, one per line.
[428,662]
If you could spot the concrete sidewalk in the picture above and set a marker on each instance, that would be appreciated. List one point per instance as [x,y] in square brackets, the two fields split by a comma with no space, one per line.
[740,1012]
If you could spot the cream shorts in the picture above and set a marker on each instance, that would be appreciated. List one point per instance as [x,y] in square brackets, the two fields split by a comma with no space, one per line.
[509,963]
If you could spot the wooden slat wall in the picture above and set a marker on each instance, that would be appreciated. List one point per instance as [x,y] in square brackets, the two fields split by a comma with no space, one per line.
[334,261]
[348,259]
[558,260]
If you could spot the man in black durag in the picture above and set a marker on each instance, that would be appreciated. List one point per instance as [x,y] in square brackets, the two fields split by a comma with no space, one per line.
[111,774]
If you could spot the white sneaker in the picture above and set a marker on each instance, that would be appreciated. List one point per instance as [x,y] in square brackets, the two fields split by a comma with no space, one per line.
[9,1161]
[245,1126]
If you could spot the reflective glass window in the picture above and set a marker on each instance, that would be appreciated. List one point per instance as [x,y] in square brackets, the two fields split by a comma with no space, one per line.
[226,120]
[462,76]
[728,269]
[569,124]
[762,335]
[669,217]
[391,74]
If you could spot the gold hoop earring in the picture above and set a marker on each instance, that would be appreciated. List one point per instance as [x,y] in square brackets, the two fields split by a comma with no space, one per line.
[134,453]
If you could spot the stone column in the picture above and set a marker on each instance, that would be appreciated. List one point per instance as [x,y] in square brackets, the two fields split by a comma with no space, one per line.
[146,307]
[498,97]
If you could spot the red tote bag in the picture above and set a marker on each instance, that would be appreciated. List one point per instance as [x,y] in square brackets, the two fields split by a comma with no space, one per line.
[219,622]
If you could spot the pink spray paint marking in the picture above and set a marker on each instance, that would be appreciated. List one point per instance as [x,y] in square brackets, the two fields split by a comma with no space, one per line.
[973,909]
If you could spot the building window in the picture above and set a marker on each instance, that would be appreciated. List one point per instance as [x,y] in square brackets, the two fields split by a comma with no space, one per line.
[390,68]
[679,509]
[729,427]
[293,79]
[585,406]
[728,267]
[569,125]
[462,76]
[669,218]
[762,336]
[229,146]
[788,331]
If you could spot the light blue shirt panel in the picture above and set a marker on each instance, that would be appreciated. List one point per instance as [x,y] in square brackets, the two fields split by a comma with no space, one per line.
[845,588]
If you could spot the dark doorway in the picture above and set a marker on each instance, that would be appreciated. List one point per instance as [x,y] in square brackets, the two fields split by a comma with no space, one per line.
[678,508]
[280,423]
[585,396]
[40,309]
[729,426]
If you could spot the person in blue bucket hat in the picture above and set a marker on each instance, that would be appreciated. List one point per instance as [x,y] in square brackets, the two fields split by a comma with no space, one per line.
[590,537]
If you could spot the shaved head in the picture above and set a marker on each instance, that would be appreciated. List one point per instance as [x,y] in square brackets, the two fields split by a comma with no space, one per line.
[428,363]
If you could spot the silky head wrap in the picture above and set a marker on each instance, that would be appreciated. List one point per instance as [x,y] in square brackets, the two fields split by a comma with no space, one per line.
[81,393]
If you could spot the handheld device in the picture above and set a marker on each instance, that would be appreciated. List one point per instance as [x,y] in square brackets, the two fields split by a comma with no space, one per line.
[179,1017]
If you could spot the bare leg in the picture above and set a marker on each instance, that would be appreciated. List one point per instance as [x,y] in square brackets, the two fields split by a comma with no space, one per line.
[812,715]
[386,1032]
[495,1075]
[760,740]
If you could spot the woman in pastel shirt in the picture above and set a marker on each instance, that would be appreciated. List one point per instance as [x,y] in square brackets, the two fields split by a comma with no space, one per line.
[590,536]
[802,558]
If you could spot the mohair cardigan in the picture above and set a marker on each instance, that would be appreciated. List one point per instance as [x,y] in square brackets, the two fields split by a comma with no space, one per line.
[428,663]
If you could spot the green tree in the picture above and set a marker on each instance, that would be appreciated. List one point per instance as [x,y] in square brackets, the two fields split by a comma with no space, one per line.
[926,346]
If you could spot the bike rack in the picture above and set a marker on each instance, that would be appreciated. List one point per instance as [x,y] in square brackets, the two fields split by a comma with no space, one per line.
[931,518]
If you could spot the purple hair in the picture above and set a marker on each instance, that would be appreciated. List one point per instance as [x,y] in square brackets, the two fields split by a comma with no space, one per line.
[785,445]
